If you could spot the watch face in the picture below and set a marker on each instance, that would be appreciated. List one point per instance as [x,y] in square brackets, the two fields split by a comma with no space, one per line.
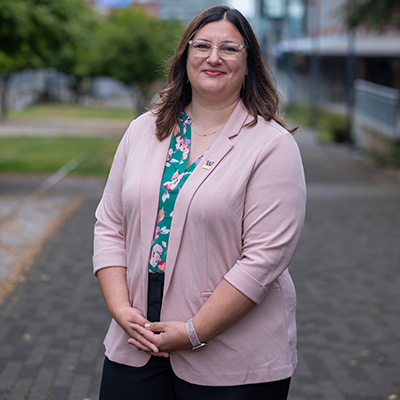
[200,346]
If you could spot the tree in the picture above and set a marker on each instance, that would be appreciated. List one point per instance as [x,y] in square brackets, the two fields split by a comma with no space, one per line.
[14,50]
[372,14]
[133,48]
[33,34]
[77,55]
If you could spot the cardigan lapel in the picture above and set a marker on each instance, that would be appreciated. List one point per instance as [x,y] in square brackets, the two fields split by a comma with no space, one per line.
[207,166]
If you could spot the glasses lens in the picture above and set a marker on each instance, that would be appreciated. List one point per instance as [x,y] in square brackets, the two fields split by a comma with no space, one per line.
[229,51]
[201,46]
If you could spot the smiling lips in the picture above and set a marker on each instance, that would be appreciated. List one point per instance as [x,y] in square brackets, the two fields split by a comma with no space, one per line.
[213,72]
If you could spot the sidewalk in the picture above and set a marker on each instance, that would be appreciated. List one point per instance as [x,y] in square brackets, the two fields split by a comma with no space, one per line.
[346,271]
[53,323]
[66,127]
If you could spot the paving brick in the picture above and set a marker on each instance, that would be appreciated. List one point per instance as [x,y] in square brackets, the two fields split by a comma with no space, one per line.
[330,390]
[345,271]
[9,376]
[42,384]
[80,386]
[59,393]
[21,390]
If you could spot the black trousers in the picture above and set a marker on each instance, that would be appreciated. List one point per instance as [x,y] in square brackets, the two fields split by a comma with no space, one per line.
[157,381]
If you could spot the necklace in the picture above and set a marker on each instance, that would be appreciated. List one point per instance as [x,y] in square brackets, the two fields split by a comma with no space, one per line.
[210,134]
[190,122]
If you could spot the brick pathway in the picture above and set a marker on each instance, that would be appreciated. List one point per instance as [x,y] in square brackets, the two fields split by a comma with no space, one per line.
[52,325]
[347,275]
[346,270]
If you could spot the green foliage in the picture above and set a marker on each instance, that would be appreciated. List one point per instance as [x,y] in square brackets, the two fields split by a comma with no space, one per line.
[388,159]
[133,47]
[34,33]
[372,14]
[14,35]
[330,126]
[77,55]
[42,34]
[70,36]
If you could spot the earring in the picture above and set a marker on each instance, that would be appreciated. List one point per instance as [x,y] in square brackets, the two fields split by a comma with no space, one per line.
[244,83]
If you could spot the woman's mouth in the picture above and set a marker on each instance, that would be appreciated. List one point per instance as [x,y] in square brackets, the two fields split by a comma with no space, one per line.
[213,72]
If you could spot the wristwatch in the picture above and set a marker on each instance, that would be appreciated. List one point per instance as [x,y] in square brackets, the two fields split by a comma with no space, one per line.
[192,335]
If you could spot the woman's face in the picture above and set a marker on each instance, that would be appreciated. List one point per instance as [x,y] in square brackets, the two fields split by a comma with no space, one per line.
[211,77]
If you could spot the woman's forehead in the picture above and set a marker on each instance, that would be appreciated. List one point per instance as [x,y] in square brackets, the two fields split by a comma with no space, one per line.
[222,30]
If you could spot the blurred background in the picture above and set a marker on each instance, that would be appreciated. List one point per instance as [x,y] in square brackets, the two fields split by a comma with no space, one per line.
[337,62]
[74,73]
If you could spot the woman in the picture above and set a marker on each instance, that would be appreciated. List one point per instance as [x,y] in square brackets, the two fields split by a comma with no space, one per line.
[210,263]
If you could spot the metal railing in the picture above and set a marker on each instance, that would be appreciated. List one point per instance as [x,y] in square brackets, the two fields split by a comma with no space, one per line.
[378,106]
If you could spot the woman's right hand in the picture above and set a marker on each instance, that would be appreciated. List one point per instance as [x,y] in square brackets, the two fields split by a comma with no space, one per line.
[115,291]
[133,323]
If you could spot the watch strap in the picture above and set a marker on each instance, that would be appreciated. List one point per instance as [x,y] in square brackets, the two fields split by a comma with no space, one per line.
[192,335]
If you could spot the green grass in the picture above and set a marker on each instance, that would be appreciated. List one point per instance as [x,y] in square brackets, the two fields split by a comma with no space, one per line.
[47,155]
[73,111]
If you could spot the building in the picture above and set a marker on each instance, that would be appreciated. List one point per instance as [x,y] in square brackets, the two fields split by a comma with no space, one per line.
[181,10]
[324,37]
[151,8]
[319,61]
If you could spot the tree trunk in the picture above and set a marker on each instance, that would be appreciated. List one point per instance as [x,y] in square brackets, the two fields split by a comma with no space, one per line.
[78,89]
[4,97]
[143,96]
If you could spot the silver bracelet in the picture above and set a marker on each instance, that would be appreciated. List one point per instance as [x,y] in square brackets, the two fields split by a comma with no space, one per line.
[192,335]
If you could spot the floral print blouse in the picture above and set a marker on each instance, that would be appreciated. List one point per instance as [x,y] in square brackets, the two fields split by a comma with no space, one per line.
[174,177]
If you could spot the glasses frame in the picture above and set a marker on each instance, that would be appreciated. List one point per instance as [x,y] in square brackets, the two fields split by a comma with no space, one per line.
[208,52]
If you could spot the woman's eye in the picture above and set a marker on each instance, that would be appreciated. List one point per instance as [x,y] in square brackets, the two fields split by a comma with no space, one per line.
[230,49]
[203,46]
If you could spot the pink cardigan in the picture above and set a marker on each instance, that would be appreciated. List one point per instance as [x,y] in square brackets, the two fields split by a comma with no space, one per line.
[238,219]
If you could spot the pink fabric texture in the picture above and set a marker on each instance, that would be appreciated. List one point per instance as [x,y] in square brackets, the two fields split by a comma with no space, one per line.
[238,219]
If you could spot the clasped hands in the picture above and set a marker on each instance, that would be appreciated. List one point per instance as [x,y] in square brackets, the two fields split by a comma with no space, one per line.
[155,338]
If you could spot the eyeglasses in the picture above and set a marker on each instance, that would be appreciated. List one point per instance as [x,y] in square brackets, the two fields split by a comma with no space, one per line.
[226,50]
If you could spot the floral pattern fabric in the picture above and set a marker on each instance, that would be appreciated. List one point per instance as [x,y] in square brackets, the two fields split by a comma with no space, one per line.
[174,177]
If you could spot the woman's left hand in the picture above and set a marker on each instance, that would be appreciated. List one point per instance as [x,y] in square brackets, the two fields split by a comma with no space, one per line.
[168,336]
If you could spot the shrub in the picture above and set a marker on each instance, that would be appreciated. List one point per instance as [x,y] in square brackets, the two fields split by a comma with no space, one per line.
[330,126]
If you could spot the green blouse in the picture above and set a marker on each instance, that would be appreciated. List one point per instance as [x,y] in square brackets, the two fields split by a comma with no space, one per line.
[174,177]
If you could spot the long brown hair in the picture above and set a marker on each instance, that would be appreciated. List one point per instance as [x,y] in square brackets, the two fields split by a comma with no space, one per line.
[258,95]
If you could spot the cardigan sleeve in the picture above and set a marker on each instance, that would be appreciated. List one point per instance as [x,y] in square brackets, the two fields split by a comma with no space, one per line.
[109,249]
[273,217]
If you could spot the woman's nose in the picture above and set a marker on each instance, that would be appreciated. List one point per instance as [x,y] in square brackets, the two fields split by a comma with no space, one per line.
[214,56]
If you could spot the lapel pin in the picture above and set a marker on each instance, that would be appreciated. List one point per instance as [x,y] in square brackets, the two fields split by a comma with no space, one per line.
[208,164]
